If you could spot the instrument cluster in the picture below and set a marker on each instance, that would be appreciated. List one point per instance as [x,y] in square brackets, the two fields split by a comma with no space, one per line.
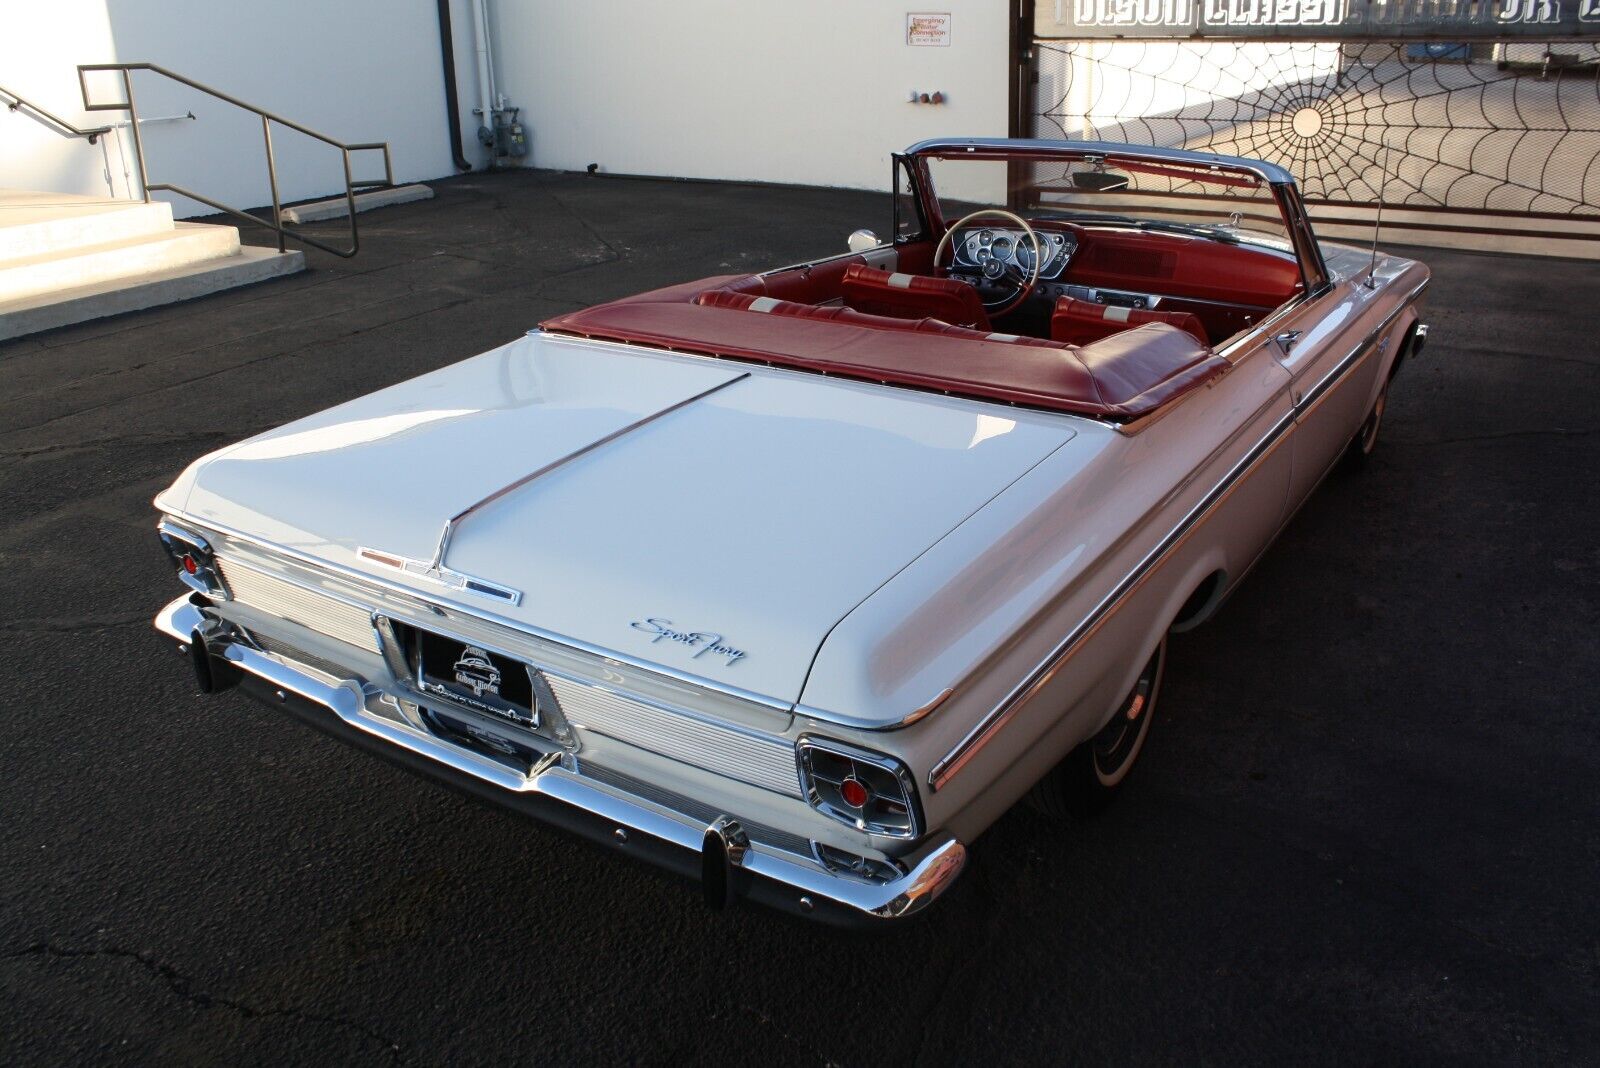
[980,247]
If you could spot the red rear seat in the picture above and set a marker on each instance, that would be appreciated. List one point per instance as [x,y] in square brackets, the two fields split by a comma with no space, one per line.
[1079,322]
[734,300]
[913,296]
[1126,375]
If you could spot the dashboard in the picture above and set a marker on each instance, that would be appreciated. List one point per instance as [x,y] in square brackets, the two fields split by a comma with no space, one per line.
[978,247]
[1227,286]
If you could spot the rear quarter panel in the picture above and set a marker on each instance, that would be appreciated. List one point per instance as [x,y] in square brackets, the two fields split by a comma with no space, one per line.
[992,600]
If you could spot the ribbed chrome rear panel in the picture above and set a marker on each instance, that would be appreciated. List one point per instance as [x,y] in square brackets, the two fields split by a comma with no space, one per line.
[316,611]
[763,762]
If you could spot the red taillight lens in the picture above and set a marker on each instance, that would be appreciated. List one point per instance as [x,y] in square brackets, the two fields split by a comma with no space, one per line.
[189,565]
[853,793]
[868,791]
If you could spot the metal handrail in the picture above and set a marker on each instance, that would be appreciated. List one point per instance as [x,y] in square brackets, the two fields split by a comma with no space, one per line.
[267,119]
[17,102]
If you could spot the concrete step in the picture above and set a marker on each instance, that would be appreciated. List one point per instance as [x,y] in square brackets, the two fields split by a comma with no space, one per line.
[79,304]
[184,244]
[338,208]
[33,224]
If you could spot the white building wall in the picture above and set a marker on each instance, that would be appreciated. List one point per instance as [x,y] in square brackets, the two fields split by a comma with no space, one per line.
[813,93]
[357,70]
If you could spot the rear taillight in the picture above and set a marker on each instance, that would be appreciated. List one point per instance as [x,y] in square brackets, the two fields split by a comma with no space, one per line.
[192,557]
[869,791]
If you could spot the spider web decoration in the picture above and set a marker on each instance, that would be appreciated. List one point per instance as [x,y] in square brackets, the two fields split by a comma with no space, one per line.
[1453,134]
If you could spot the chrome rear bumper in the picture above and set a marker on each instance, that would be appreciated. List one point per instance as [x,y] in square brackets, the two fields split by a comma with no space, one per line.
[555,790]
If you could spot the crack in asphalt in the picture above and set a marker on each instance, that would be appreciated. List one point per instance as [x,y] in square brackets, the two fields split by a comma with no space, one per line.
[577,217]
[184,987]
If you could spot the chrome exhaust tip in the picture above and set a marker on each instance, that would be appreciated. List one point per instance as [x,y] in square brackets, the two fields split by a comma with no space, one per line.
[722,853]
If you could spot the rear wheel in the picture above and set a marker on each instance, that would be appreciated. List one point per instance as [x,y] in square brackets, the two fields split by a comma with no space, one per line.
[1090,776]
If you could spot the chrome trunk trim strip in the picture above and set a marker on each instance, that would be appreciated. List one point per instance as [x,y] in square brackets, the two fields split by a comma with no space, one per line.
[440,575]
[454,522]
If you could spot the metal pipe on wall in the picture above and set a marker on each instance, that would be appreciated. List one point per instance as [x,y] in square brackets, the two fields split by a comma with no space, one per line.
[452,99]
[486,102]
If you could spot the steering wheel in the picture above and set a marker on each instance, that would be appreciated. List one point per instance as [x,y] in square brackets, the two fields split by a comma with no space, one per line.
[996,270]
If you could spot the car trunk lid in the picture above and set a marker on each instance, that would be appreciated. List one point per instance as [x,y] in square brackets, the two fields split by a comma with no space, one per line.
[713,518]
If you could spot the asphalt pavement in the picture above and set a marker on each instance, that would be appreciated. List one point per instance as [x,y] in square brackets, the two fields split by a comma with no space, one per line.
[1366,828]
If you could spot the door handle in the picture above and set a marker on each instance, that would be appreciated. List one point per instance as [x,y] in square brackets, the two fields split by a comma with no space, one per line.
[1287,339]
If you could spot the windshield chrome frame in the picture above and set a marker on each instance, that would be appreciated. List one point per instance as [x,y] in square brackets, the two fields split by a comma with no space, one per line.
[1280,183]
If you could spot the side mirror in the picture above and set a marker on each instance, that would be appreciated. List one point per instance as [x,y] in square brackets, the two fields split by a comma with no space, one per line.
[863,241]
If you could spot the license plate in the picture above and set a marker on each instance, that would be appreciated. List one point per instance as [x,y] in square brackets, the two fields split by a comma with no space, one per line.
[469,675]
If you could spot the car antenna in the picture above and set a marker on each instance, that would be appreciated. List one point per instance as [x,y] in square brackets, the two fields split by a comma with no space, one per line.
[1377,220]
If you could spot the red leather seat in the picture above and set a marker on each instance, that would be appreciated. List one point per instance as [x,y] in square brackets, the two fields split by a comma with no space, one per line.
[1079,322]
[737,301]
[912,296]
[1129,374]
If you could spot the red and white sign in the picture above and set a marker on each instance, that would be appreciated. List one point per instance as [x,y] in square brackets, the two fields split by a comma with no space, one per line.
[928,28]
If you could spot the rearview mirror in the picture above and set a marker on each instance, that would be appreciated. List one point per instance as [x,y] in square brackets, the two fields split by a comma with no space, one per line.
[1099,181]
[863,241]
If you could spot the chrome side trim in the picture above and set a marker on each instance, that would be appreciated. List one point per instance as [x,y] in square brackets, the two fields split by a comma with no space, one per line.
[1356,353]
[975,739]
[876,250]
[930,871]
[980,735]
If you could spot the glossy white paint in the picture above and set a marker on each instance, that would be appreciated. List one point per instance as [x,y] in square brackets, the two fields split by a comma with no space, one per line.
[762,513]
[872,551]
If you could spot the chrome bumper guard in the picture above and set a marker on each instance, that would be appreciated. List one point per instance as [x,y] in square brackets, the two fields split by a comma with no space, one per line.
[554,790]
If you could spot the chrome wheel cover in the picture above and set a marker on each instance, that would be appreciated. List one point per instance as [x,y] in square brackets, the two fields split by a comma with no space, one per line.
[1113,751]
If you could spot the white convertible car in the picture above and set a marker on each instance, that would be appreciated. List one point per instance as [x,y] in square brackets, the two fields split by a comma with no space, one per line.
[796,581]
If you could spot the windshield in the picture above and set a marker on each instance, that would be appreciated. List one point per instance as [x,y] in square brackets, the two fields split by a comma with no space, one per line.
[1224,205]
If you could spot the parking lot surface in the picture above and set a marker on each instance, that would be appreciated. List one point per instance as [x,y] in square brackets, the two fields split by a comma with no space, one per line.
[1366,827]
